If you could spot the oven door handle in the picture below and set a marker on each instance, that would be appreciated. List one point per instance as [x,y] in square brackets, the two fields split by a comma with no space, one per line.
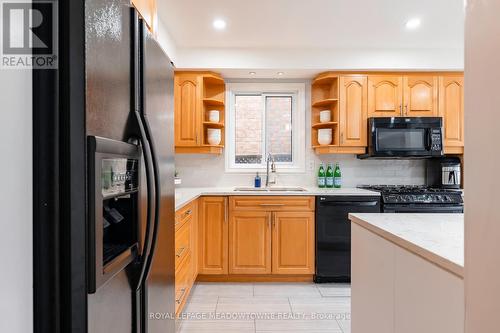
[146,249]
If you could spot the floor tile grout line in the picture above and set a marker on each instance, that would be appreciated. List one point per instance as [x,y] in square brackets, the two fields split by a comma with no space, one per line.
[290,304]
[216,305]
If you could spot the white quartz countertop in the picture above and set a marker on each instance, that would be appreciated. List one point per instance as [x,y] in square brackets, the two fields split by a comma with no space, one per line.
[438,238]
[184,195]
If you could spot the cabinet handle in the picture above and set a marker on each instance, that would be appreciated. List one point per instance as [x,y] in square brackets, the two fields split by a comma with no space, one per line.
[180,252]
[406,109]
[179,300]
[188,212]
[274,220]
[342,137]
[401,109]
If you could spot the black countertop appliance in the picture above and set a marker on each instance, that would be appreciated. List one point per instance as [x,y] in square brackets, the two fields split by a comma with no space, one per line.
[443,173]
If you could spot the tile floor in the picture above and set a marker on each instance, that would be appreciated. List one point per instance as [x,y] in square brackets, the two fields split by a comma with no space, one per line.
[267,307]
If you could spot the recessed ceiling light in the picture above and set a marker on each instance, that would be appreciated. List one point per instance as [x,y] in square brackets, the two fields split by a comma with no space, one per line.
[219,24]
[413,23]
[252,73]
[280,73]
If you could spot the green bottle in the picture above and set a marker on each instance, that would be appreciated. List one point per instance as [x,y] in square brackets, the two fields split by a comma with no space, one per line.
[321,176]
[337,177]
[329,176]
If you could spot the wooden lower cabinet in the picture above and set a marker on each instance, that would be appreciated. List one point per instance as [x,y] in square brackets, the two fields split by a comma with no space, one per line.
[271,235]
[213,236]
[293,243]
[250,242]
[186,248]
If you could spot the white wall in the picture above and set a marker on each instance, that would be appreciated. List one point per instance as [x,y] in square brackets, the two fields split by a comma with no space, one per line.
[321,59]
[166,42]
[16,279]
[482,160]
[209,170]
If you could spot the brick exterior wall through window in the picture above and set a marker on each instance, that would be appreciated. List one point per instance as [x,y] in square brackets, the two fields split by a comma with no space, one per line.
[248,128]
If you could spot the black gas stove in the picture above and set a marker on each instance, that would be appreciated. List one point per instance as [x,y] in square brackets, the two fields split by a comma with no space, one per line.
[418,199]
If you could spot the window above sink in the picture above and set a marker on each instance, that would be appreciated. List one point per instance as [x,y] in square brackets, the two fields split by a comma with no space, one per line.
[265,118]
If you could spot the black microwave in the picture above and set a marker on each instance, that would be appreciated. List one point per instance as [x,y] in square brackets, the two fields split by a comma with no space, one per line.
[405,137]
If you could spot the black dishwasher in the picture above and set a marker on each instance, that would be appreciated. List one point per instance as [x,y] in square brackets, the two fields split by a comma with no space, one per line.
[333,234]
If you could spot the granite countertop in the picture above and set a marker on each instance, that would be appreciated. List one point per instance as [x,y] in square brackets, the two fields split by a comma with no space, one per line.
[438,238]
[184,195]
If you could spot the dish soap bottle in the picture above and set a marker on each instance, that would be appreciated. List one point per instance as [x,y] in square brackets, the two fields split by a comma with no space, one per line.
[321,176]
[329,176]
[337,177]
[257,181]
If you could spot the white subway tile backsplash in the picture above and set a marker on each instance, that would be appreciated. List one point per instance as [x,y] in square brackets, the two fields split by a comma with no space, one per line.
[208,171]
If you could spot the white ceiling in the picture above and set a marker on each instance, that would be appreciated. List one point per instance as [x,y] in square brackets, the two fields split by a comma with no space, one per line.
[273,26]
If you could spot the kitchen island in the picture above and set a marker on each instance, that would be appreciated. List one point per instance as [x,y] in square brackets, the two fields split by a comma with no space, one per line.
[407,273]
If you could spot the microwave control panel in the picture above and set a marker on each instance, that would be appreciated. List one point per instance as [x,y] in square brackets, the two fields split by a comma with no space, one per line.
[436,142]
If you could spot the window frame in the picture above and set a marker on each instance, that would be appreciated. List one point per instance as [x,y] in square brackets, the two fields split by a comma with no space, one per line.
[266,89]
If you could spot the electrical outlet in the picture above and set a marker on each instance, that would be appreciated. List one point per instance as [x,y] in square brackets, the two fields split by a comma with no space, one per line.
[310,166]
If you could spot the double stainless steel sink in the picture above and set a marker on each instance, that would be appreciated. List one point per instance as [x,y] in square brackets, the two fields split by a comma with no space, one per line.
[270,189]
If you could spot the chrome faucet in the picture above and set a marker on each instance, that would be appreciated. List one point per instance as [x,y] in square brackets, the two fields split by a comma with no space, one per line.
[270,159]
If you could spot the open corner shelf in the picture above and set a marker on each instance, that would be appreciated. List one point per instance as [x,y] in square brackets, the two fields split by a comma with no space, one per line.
[210,124]
[325,96]
[325,102]
[325,125]
[336,149]
[213,102]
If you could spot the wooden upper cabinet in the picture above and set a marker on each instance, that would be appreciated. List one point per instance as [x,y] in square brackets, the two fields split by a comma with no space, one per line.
[213,235]
[293,243]
[451,108]
[148,11]
[353,111]
[187,110]
[385,95]
[250,242]
[196,94]
[420,96]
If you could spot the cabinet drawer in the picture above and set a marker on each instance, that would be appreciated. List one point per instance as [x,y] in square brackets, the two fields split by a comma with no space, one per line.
[183,244]
[184,214]
[271,203]
[183,282]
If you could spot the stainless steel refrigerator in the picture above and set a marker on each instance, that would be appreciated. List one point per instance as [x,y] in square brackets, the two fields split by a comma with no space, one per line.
[130,173]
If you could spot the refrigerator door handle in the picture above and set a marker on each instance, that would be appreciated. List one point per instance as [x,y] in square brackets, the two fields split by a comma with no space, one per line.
[141,38]
[156,175]
[150,181]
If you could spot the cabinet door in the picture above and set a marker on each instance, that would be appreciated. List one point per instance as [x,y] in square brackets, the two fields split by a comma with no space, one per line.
[187,110]
[293,243]
[250,242]
[451,108]
[212,252]
[353,111]
[420,96]
[194,239]
[385,96]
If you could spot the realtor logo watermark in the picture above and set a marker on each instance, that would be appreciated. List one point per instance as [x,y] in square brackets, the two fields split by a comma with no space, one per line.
[28,34]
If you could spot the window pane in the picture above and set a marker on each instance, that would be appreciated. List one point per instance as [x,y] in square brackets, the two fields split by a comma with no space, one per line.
[279,127]
[248,129]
